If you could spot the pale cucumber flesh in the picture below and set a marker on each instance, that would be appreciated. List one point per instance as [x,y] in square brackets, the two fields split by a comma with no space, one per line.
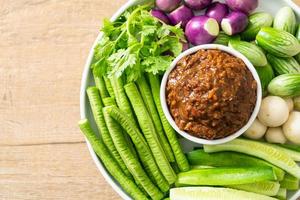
[211,193]
[259,150]
[268,188]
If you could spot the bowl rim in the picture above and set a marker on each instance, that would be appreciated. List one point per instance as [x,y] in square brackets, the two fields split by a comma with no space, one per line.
[83,99]
[231,52]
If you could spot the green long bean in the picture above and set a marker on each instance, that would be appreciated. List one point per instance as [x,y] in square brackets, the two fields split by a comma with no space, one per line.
[96,106]
[180,158]
[150,105]
[109,162]
[127,156]
[109,101]
[109,87]
[100,84]
[141,146]
[149,131]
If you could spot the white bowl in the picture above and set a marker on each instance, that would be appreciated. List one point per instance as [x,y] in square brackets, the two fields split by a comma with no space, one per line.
[87,80]
[168,114]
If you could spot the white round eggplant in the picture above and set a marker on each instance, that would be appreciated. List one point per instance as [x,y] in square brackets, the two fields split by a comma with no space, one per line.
[256,131]
[275,135]
[291,128]
[290,103]
[273,112]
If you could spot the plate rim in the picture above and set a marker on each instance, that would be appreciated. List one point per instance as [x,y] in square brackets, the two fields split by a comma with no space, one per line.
[83,99]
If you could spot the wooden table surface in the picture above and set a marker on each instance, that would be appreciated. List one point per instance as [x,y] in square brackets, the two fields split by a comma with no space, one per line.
[43,48]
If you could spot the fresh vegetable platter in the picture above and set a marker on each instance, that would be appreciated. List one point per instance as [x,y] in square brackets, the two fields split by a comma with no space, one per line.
[130,140]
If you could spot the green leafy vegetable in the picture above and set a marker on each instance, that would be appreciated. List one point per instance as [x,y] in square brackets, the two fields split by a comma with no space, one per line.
[136,43]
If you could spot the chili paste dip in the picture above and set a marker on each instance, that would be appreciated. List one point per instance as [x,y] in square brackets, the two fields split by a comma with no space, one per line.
[211,94]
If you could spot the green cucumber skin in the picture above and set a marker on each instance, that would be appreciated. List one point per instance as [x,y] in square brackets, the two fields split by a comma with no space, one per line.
[214,193]
[290,182]
[141,145]
[150,105]
[256,22]
[148,129]
[255,55]
[298,32]
[109,162]
[225,176]
[277,42]
[284,65]
[297,57]
[131,162]
[282,193]
[230,159]
[290,146]
[260,150]
[285,20]
[180,157]
[96,106]
[285,85]
[224,39]
[268,188]
[266,74]
[295,155]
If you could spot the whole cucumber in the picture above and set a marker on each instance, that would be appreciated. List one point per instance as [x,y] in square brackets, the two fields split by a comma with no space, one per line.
[284,65]
[285,20]
[255,55]
[265,74]
[277,42]
[286,85]
[256,22]
[223,38]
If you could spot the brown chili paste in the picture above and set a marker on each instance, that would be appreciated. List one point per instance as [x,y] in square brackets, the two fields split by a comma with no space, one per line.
[211,94]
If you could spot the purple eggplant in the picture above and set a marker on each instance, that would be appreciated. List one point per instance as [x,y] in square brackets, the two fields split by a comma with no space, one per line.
[201,30]
[235,22]
[245,6]
[217,11]
[197,4]
[182,14]
[167,5]
[160,15]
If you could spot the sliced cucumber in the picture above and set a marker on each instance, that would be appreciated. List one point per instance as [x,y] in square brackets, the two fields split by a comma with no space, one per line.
[225,176]
[260,150]
[290,182]
[211,193]
[282,193]
[268,188]
[230,159]
[295,155]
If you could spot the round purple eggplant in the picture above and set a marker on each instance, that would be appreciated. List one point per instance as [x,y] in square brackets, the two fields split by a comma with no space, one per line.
[217,11]
[201,30]
[182,14]
[167,5]
[235,22]
[245,6]
[197,4]
[160,15]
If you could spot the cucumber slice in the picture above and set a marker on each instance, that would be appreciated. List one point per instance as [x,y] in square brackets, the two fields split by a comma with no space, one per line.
[282,193]
[268,188]
[295,155]
[230,159]
[211,193]
[290,146]
[260,150]
[290,182]
[225,176]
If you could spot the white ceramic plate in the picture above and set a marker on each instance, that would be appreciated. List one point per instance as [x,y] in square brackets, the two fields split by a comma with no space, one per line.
[270,6]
